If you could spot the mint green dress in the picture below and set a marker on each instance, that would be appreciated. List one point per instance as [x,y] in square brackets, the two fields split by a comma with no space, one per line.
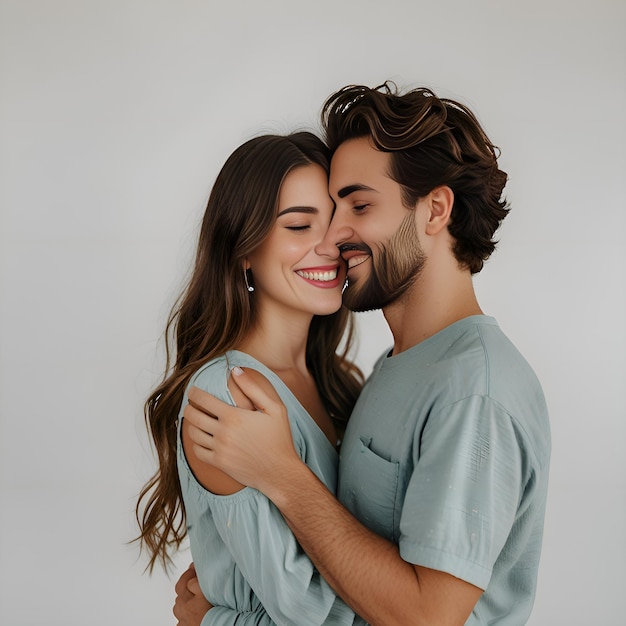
[248,562]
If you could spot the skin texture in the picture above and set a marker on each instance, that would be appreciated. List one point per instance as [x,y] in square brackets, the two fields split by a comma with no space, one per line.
[255,447]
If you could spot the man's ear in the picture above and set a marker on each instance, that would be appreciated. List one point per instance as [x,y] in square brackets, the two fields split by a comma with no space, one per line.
[441,201]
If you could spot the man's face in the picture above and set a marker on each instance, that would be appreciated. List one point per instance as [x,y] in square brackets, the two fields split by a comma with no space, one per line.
[376,233]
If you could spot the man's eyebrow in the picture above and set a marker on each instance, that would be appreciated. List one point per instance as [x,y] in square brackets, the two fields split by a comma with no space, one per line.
[299,209]
[346,191]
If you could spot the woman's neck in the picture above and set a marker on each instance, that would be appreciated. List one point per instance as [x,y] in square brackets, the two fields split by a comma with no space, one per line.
[278,341]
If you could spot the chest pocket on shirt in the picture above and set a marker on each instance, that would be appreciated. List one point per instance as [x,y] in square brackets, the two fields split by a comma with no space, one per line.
[373,493]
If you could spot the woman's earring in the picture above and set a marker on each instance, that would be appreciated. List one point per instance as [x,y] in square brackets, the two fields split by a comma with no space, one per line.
[245,277]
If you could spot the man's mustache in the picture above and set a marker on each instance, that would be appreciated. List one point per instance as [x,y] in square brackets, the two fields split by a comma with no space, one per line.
[349,247]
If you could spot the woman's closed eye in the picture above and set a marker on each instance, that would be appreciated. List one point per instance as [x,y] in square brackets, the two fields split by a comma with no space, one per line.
[299,227]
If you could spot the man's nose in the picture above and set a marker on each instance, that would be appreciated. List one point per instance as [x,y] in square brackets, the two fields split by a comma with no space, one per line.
[335,236]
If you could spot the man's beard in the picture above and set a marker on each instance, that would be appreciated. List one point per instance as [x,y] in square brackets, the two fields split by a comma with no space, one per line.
[395,268]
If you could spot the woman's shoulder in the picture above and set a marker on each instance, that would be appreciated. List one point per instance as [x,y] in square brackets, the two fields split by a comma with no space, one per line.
[215,377]
[209,371]
[217,366]
[212,377]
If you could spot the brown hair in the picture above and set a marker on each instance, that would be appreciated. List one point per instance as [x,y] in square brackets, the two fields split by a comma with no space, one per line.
[433,141]
[215,312]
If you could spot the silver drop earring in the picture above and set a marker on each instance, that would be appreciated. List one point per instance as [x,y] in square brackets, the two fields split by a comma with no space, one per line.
[245,277]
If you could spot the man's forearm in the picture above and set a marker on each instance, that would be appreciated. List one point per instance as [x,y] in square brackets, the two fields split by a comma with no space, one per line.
[256,448]
[363,568]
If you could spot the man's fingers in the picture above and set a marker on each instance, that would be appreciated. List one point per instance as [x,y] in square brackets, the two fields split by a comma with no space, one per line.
[201,437]
[181,587]
[267,401]
[202,444]
[199,419]
[206,403]
[194,586]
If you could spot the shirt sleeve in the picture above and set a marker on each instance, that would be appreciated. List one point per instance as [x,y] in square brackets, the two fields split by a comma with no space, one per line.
[265,550]
[281,575]
[465,489]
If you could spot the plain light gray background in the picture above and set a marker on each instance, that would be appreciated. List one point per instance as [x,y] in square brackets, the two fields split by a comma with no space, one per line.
[115,116]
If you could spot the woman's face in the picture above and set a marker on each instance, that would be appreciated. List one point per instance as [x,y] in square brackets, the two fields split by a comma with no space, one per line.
[287,272]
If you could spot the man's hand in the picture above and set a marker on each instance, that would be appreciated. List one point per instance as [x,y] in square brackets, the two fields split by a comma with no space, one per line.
[254,447]
[190,606]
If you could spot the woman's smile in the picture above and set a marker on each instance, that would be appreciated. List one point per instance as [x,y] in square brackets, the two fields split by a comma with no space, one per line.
[326,277]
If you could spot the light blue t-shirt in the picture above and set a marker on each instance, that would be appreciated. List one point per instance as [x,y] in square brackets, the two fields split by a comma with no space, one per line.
[446,454]
[248,562]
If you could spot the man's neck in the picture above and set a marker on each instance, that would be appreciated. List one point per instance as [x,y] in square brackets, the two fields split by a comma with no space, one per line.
[439,298]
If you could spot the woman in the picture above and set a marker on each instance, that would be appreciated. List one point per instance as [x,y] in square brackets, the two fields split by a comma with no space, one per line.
[260,297]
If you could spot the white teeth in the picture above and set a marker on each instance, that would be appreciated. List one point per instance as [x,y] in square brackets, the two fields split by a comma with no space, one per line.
[357,260]
[320,276]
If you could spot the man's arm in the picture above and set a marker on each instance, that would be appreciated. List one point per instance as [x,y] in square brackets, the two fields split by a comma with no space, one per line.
[366,570]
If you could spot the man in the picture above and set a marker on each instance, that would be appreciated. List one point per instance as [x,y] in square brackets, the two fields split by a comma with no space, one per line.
[444,465]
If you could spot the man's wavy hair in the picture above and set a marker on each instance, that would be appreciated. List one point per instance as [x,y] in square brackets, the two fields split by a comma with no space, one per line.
[433,142]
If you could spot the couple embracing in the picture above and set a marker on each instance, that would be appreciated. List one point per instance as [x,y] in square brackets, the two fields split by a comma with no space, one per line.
[309,497]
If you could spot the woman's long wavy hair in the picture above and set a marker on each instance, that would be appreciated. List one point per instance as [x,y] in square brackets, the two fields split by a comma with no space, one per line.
[215,312]
[432,141]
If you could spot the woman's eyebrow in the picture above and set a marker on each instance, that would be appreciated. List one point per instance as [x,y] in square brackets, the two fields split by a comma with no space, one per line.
[298,209]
